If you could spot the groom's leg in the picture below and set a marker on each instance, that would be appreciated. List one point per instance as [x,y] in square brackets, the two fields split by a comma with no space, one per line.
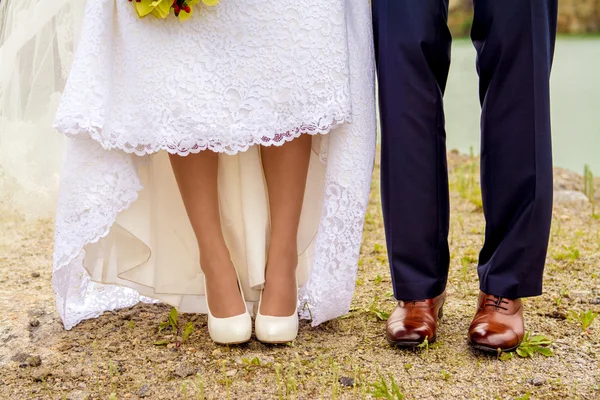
[515,46]
[412,43]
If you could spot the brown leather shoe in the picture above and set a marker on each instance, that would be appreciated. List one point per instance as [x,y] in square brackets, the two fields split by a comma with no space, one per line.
[413,321]
[498,324]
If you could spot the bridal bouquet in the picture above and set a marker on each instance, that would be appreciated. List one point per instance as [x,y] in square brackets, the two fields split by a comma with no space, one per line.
[162,8]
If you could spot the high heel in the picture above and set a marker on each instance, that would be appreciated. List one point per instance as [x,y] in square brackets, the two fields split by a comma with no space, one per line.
[229,330]
[276,330]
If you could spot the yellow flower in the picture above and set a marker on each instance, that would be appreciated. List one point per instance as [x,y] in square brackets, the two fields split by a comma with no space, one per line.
[162,8]
[158,8]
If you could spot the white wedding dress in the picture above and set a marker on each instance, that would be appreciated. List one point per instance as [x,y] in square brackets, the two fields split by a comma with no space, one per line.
[235,76]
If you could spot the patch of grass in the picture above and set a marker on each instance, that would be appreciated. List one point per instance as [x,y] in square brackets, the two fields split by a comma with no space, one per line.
[465,182]
[567,253]
[381,389]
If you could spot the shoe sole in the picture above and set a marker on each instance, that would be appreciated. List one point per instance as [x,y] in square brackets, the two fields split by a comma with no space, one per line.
[280,342]
[408,345]
[492,350]
[232,343]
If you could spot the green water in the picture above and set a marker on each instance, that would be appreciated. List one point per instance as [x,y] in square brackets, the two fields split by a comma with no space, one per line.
[575,94]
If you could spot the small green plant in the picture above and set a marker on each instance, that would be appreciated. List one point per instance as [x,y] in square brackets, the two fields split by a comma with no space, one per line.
[534,344]
[446,375]
[381,390]
[226,379]
[589,189]
[378,279]
[199,387]
[173,323]
[280,388]
[378,248]
[526,396]
[184,386]
[251,364]
[291,387]
[425,345]
[113,396]
[585,318]
[373,309]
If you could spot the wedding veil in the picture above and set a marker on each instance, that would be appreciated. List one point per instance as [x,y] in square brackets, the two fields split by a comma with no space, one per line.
[37,45]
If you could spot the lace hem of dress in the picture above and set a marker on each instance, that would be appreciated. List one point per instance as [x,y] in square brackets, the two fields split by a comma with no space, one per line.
[192,145]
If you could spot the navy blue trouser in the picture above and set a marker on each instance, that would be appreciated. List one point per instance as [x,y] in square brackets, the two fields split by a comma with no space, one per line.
[514,40]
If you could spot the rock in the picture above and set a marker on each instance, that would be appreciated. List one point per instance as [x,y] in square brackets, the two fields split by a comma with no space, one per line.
[20,357]
[131,314]
[41,374]
[35,274]
[144,391]
[77,395]
[183,370]
[37,312]
[570,197]
[346,381]
[34,323]
[34,361]
[75,373]
[64,347]
[231,373]
[537,381]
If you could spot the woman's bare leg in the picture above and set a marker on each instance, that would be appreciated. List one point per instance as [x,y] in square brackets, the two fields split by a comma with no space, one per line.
[196,176]
[286,170]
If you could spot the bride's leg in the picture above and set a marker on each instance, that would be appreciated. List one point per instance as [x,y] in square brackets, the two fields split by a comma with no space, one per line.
[286,169]
[196,176]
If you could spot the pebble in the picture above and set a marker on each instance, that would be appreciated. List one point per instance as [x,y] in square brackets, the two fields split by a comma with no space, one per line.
[184,370]
[570,197]
[231,373]
[34,361]
[537,381]
[346,381]
[35,274]
[40,374]
[64,347]
[131,314]
[20,357]
[144,391]
[34,323]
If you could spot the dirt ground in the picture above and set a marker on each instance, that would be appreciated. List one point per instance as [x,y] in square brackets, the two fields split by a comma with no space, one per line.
[122,355]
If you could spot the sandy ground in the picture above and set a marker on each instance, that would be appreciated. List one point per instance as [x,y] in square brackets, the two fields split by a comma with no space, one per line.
[115,356]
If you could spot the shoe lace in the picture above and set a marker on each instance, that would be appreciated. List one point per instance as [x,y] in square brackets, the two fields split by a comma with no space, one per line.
[496,302]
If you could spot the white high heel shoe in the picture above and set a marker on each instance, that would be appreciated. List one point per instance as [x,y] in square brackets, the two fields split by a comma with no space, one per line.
[229,330]
[276,330]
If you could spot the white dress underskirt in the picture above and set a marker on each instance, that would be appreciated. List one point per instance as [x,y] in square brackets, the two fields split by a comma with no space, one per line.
[238,75]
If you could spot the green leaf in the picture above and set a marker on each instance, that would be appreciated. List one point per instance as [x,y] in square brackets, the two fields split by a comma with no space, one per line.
[382,315]
[545,351]
[189,329]
[162,326]
[162,342]
[506,356]
[173,315]
[521,352]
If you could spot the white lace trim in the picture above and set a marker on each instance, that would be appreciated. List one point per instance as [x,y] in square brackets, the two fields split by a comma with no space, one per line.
[195,144]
